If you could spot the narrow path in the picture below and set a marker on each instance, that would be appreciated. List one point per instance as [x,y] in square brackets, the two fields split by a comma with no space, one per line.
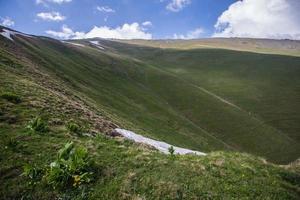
[217,97]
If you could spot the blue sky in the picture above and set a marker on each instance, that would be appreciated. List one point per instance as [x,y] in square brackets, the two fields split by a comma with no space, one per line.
[148,19]
[82,15]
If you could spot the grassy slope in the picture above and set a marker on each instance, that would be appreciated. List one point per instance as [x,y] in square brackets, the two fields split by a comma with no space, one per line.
[114,84]
[125,170]
[264,87]
[158,93]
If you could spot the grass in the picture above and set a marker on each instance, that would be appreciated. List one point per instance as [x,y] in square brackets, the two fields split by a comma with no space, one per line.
[37,125]
[170,94]
[11,97]
[163,94]
[126,171]
[264,87]
[264,46]
[74,128]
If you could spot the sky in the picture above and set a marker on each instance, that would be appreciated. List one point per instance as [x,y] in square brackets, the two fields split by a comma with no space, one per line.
[153,19]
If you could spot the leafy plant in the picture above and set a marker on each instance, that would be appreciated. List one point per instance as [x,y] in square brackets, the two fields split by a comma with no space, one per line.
[71,168]
[33,173]
[11,97]
[37,125]
[74,128]
[171,150]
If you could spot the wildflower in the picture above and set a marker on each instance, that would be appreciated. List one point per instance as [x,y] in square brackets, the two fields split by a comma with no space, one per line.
[76,180]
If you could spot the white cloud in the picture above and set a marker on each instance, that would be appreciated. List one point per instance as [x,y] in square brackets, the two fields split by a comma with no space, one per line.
[65,33]
[52,1]
[147,23]
[177,5]
[127,31]
[7,22]
[51,16]
[105,9]
[190,35]
[278,19]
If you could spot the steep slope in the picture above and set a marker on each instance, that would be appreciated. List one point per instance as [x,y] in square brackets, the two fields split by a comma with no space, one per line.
[169,94]
[110,82]
[264,87]
[30,87]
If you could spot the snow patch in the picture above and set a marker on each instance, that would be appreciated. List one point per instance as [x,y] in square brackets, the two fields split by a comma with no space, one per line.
[97,44]
[8,33]
[72,43]
[161,146]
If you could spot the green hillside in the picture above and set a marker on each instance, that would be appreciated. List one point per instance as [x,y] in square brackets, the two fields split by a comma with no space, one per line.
[264,89]
[203,99]
[223,102]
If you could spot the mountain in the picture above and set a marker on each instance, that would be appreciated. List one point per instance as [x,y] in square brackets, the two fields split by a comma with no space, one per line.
[206,99]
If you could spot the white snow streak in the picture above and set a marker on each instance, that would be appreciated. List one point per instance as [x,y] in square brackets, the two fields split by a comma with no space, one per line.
[7,34]
[72,43]
[97,44]
[161,146]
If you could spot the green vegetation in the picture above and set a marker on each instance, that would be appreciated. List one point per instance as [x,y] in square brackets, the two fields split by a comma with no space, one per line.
[201,99]
[37,125]
[248,101]
[178,96]
[71,168]
[171,150]
[12,144]
[33,174]
[265,46]
[11,97]
[74,128]
[123,170]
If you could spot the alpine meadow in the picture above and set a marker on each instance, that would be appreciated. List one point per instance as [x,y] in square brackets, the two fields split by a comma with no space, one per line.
[126,113]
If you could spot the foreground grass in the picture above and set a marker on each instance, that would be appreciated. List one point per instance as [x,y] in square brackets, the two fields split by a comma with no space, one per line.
[123,170]
[126,171]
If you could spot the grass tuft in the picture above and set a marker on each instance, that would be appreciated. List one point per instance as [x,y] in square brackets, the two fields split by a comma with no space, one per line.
[74,128]
[37,125]
[11,97]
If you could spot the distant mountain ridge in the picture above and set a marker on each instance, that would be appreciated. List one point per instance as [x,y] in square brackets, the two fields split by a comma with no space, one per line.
[267,46]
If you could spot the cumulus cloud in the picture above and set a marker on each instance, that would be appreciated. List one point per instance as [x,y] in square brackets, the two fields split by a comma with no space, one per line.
[105,9]
[51,16]
[190,35]
[52,1]
[277,19]
[177,5]
[65,33]
[7,22]
[127,31]
[147,23]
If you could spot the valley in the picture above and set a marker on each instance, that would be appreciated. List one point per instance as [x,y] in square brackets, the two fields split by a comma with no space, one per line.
[239,107]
